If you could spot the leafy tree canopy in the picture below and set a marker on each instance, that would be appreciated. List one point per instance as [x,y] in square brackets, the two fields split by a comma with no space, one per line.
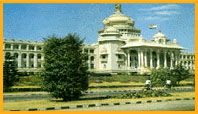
[9,72]
[180,73]
[65,68]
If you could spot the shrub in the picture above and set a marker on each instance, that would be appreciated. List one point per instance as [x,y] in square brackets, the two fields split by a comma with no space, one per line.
[159,76]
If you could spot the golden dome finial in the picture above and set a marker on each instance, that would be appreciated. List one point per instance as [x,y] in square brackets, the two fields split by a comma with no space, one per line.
[118,8]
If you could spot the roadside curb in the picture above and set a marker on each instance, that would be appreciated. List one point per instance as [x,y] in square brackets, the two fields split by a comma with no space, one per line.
[101,104]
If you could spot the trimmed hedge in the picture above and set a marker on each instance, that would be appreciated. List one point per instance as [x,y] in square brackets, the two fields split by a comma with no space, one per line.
[142,94]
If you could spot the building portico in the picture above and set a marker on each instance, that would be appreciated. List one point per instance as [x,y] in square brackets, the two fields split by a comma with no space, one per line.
[144,58]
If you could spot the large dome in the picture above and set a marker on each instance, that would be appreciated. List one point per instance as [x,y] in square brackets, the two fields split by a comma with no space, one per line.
[118,17]
[111,30]
[118,23]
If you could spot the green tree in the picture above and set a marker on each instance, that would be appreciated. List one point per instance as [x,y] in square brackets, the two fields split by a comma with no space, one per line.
[159,76]
[180,73]
[65,69]
[9,72]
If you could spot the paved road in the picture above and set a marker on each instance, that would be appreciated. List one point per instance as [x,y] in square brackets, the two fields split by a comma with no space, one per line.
[8,98]
[184,105]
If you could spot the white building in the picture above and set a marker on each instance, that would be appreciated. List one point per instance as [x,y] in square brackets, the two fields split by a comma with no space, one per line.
[120,48]
[28,55]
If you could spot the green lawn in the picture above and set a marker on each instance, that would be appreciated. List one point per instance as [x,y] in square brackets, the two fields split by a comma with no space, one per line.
[106,81]
[119,78]
[115,84]
[20,105]
[29,81]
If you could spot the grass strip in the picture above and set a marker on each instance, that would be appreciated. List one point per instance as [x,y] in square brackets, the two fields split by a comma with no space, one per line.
[22,105]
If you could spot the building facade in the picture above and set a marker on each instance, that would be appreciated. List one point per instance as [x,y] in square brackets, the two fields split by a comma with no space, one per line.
[120,48]
[28,55]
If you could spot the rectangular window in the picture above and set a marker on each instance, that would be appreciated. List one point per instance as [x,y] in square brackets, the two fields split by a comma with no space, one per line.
[39,48]
[7,46]
[103,56]
[119,56]
[92,66]
[23,47]
[31,47]
[16,47]
[91,51]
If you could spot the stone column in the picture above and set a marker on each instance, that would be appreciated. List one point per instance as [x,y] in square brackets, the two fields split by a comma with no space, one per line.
[176,58]
[182,63]
[187,64]
[128,56]
[19,60]
[27,47]
[3,46]
[35,48]
[27,60]
[142,59]
[158,59]
[165,59]
[11,46]
[35,60]
[191,67]
[151,58]
[145,58]
[89,62]
[19,46]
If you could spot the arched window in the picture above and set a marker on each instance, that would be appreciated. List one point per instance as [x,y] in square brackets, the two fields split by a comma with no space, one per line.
[7,46]
[7,54]
[92,58]
[16,55]
[39,56]
[31,56]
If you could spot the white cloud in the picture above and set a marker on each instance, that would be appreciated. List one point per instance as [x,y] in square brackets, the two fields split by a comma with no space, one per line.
[164,7]
[157,12]
[151,18]
[166,12]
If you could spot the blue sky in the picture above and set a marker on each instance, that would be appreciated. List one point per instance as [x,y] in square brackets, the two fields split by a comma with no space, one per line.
[34,22]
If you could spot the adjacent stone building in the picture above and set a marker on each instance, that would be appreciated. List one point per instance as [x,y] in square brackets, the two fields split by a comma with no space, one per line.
[28,55]
[120,48]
